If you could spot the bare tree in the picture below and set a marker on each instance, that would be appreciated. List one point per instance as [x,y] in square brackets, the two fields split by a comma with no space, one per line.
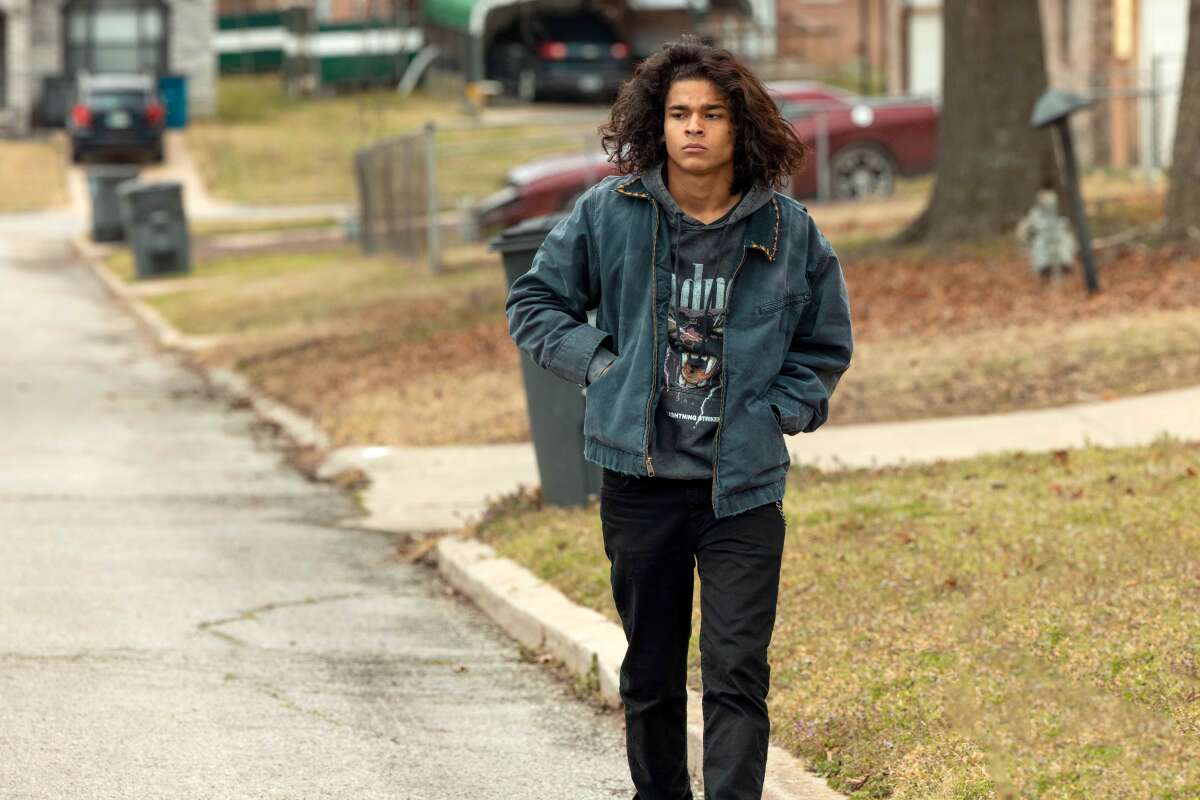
[990,162]
[1183,196]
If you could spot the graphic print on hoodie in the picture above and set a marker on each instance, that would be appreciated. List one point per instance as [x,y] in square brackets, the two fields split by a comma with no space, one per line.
[703,259]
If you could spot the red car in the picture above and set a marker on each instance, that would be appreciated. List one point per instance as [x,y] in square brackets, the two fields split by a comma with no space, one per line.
[871,141]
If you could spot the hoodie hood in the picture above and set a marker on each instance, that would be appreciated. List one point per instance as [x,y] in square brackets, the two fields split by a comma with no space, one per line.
[751,201]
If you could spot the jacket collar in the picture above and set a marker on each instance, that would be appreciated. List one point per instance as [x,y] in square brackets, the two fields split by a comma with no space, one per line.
[762,227]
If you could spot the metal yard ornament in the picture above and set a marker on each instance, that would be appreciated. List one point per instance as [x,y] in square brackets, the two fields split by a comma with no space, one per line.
[1055,107]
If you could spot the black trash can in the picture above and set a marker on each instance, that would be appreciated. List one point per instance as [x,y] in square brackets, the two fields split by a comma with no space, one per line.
[106,208]
[156,228]
[555,405]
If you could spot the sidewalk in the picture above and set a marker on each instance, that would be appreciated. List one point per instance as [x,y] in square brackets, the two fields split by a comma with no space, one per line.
[417,489]
[184,618]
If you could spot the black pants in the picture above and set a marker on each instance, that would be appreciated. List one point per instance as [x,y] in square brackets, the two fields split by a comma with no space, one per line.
[656,531]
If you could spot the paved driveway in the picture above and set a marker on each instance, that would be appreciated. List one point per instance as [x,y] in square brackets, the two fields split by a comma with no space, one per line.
[180,616]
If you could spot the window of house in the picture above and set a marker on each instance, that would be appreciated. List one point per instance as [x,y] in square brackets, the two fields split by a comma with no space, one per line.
[116,36]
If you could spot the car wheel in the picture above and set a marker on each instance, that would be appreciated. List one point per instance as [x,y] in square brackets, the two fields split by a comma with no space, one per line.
[862,171]
[527,85]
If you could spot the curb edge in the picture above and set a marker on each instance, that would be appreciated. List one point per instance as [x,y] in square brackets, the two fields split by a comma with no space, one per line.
[298,428]
[540,616]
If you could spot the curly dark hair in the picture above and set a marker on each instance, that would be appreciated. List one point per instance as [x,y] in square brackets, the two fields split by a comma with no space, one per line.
[767,151]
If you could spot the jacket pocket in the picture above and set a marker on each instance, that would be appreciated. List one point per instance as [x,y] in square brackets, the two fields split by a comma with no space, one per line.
[797,298]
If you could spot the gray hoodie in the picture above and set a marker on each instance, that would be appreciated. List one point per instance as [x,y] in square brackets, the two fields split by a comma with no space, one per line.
[703,257]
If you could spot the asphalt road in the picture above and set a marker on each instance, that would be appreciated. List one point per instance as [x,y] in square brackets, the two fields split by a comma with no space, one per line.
[181,616]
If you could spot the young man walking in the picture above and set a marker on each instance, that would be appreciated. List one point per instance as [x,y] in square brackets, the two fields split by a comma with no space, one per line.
[722,324]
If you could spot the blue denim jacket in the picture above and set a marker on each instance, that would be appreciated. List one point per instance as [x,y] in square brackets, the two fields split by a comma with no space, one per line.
[787,335]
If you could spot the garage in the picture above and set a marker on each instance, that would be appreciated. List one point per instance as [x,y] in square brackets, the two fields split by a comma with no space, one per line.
[108,36]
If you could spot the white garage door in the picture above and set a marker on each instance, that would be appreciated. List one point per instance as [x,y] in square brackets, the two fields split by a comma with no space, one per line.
[925,52]
[1162,47]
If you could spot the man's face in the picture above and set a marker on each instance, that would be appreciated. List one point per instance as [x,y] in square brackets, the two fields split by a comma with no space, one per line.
[697,127]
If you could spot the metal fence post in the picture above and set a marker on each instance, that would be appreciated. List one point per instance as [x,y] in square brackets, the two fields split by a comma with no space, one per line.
[823,192]
[366,218]
[1156,160]
[589,169]
[433,251]
[386,171]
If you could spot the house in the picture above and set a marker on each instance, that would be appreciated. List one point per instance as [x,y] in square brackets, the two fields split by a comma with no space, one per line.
[45,43]
[322,10]
[1127,53]
[832,36]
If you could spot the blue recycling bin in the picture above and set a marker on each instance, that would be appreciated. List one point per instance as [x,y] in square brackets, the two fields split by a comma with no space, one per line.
[173,91]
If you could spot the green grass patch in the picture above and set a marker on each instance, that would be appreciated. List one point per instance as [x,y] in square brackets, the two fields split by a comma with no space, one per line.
[1009,626]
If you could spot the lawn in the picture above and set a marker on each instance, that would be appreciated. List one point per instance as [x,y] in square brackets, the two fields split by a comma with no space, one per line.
[1011,626]
[378,351]
[33,174]
[266,147]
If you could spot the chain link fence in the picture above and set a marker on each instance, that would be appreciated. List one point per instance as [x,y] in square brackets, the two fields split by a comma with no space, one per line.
[417,192]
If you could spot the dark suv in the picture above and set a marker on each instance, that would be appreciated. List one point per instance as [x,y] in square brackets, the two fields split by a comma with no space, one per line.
[543,54]
[117,115]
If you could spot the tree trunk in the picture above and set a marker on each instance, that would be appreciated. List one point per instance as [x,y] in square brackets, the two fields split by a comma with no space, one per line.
[1183,195]
[990,162]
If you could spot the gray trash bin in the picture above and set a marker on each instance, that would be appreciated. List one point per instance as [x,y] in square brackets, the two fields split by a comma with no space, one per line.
[156,228]
[555,405]
[106,208]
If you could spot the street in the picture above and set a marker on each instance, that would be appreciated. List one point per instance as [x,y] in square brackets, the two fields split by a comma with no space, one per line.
[182,616]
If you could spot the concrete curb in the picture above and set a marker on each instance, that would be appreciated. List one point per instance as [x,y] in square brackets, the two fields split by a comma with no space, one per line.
[539,616]
[233,387]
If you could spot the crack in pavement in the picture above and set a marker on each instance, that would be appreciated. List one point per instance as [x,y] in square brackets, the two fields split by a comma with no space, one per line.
[251,614]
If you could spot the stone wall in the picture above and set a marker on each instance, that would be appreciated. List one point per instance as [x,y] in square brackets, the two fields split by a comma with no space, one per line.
[14,115]
[193,52]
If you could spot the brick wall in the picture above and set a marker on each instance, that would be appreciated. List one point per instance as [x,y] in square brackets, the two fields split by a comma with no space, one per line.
[829,33]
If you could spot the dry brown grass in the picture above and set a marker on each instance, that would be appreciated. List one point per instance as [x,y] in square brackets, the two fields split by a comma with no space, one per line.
[380,352]
[264,147]
[33,174]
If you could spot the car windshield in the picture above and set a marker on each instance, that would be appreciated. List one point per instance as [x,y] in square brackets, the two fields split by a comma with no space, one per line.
[130,99]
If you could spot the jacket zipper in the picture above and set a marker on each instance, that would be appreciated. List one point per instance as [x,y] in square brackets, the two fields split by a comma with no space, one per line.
[654,331]
[724,374]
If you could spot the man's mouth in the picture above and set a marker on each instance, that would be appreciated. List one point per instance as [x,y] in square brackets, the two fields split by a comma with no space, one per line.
[694,148]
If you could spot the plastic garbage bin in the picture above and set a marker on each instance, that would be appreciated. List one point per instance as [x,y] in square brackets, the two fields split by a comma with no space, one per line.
[156,227]
[173,90]
[555,406]
[106,207]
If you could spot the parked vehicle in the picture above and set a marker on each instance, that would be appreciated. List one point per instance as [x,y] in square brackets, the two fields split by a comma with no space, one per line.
[871,142]
[116,116]
[544,54]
